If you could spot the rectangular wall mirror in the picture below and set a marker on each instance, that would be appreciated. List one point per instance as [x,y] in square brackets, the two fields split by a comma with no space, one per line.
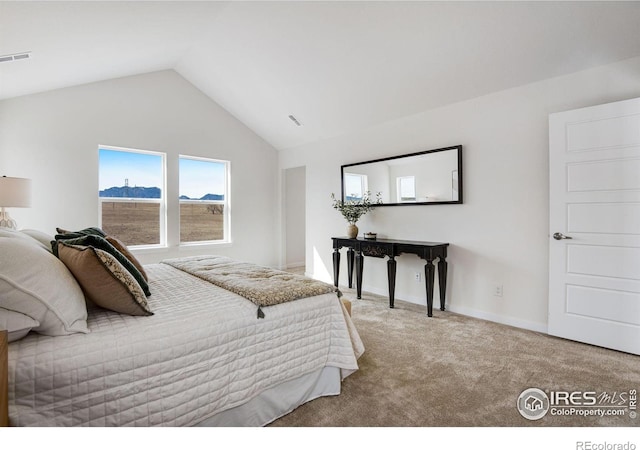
[431,177]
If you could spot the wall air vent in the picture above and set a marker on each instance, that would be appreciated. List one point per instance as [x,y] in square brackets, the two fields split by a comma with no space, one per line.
[15,57]
[295,120]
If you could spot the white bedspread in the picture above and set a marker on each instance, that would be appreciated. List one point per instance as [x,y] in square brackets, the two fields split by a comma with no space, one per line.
[202,352]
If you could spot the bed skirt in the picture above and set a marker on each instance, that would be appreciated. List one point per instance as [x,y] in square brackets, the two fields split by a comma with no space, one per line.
[279,400]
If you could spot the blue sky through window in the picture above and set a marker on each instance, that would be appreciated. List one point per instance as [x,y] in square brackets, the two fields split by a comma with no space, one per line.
[197,177]
[201,177]
[140,169]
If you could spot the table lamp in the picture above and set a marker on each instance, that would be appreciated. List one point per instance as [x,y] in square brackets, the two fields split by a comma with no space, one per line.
[14,193]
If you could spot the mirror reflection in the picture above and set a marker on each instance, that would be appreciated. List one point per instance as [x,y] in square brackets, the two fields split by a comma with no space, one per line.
[429,177]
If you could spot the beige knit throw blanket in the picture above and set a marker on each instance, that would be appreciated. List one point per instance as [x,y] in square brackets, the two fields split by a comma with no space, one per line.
[262,285]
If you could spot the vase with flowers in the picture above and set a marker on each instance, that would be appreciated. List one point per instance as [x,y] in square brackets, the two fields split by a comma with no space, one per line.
[352,210]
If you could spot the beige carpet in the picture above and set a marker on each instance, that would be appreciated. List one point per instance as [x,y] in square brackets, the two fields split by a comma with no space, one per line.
[454,371]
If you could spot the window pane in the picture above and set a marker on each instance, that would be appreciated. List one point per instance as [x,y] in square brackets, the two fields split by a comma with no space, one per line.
[355,186]
[201,179]
[130,174]
[407,188]
[203,200]
[134,223]
[201,222]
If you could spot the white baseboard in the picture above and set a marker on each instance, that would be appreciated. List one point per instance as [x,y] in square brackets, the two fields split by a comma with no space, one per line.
[471,312]
[505,320]
[294,265]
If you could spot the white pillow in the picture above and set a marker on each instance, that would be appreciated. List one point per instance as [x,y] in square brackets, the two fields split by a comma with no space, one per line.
[37,284]
[9,233]
[18,325]
[40,236]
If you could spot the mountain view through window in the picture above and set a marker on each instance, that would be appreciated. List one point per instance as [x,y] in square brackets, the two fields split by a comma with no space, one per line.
[131,195]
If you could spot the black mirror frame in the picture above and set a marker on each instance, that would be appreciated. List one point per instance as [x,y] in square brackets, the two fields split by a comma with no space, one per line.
[455,147]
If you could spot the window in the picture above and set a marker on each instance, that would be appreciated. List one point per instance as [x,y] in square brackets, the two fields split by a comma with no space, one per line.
[406,189]
[131,184]
[204,200]
[355,186]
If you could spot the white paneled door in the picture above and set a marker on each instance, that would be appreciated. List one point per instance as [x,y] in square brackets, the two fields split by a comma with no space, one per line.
[594,234]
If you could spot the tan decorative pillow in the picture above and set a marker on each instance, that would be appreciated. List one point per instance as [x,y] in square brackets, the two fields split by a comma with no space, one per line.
[95,240]
[122,248]
[104,280]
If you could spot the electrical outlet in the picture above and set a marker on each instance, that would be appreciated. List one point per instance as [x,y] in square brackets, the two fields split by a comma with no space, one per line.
[418,277]
[497,290]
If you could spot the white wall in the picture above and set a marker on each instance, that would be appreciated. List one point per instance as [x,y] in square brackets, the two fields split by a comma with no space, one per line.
[500,234]
[53,139]
[295,217]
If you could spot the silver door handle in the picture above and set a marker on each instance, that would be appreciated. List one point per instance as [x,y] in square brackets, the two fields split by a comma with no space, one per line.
[560,236]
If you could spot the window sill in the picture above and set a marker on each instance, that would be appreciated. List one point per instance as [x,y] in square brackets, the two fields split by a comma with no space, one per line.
[212,244]
[148,249]
[185,246]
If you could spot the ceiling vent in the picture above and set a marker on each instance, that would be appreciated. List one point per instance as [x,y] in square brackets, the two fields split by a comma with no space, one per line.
[15,57]
[294,120]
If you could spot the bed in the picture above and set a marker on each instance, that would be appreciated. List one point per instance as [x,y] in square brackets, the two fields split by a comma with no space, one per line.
[201,354]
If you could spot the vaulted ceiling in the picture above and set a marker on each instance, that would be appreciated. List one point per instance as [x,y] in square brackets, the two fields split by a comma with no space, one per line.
[336,66]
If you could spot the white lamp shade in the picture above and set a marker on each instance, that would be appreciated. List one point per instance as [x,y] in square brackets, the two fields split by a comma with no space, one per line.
[15,192]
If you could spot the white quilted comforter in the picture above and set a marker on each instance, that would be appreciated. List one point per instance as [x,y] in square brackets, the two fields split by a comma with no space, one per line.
[204,351]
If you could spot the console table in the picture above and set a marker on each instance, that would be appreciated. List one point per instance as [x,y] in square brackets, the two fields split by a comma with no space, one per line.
[379,248]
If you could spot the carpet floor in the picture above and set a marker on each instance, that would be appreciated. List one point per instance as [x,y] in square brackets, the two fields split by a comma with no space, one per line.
[452,370]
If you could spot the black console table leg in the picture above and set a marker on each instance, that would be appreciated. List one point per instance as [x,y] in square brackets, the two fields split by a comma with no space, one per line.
[359,264]
[442,281]
[350,253]
[391,275]
[336,266]
[429,270]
